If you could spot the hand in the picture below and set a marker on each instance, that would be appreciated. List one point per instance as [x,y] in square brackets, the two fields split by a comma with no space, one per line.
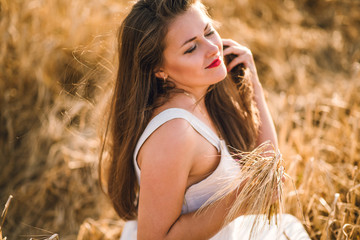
[244,56]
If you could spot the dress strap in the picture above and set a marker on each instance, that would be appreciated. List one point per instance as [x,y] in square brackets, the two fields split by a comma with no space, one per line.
[173,113]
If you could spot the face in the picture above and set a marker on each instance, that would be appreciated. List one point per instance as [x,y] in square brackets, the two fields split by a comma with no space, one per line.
[193,57]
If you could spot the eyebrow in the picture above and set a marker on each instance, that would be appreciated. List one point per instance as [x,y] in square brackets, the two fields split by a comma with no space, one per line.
[192,39]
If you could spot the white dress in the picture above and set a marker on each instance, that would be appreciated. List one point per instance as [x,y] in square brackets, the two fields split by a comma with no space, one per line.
[197,194]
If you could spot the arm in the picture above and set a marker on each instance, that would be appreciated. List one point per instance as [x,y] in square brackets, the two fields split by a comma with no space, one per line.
[267,129]
[244,55]
[166,160]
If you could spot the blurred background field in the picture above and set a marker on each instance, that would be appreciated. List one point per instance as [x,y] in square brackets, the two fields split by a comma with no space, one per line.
[57,62]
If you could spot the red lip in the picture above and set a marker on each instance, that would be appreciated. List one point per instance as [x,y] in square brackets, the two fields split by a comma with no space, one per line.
[215,63]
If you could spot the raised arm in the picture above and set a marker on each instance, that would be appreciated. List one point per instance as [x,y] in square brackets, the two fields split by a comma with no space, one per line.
[166,161]
[244,55]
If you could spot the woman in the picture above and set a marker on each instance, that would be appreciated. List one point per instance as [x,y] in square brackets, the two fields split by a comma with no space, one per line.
[174,110]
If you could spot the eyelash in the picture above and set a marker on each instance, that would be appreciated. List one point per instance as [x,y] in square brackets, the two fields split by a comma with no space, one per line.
[194,47]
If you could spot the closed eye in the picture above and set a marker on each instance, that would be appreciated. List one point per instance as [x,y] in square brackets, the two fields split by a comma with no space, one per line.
[210,33]
[190,50]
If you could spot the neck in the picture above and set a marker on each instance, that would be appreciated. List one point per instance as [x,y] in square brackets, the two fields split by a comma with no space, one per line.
[198,99]
[200,108]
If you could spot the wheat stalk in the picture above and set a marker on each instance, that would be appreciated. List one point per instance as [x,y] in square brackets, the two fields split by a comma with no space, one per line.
[259,187]
[3,215]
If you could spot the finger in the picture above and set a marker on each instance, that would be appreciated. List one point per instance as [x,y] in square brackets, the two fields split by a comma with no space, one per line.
[239,59]
[229,42]
[237,50]
[228,51]
[238,53]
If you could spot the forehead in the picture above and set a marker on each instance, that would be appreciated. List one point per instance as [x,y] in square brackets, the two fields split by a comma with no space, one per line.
[186,26]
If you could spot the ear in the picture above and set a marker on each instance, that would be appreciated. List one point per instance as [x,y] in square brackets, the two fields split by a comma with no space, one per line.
[159,73]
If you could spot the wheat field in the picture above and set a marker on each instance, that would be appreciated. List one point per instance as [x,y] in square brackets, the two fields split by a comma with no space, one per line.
[57,63]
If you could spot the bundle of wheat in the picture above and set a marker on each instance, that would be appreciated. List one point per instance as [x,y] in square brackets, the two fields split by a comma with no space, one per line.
[261,174]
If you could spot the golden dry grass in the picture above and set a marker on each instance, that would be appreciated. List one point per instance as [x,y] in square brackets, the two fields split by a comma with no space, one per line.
[57,60]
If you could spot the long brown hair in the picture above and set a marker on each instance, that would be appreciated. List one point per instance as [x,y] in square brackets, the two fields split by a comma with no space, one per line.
[141,44]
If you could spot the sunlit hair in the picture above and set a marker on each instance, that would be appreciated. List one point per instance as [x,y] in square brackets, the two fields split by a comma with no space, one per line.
[141,42]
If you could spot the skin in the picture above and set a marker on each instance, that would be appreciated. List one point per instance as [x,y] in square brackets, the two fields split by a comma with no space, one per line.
[175,156]
[186,61]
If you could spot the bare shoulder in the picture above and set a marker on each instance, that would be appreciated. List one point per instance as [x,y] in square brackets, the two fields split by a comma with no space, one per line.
[165,161]
[175,140]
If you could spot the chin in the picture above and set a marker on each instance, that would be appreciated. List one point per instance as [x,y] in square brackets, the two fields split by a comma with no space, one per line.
[220,74]
[216,79]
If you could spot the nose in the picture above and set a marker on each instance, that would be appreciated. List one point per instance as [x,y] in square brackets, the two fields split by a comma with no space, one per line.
[212,48]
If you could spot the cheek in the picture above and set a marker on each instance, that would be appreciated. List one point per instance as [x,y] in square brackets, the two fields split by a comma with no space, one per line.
[185,66]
